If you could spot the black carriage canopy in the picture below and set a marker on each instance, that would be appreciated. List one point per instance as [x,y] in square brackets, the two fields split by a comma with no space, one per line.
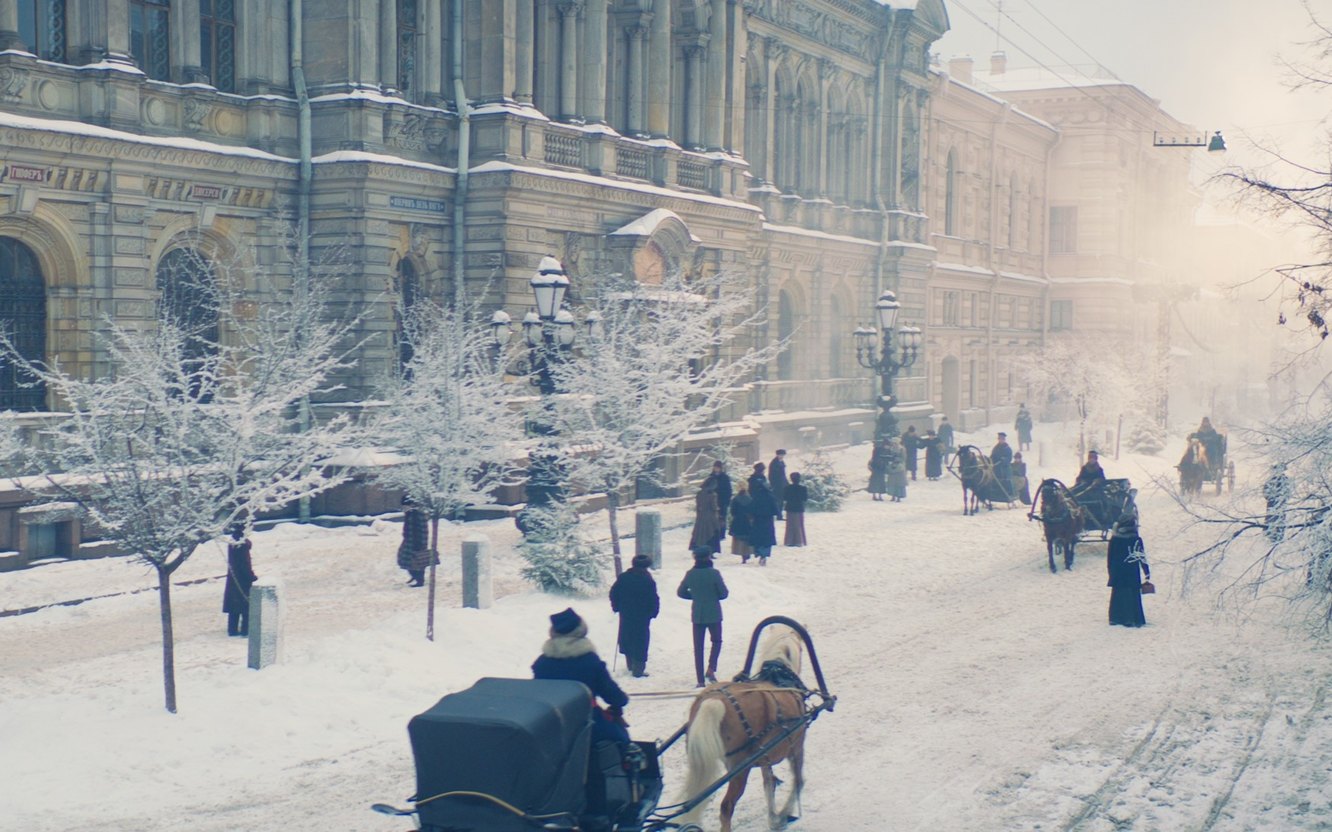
[521,741]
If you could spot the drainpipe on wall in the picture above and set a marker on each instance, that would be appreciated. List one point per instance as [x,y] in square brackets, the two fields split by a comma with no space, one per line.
[992,387]
[302,195]
[464,158]
[876,164]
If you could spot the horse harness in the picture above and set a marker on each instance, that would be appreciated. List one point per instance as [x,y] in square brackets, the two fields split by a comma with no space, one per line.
[778,675]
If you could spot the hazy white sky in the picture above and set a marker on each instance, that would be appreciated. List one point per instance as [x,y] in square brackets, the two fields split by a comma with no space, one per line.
[1211,63]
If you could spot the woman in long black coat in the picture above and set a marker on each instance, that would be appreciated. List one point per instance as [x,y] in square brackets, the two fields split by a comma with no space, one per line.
[878,468]
[742,523]
[934,451]
[240,577]
[763,508]
[709,524]
[1127,563]
[634,597]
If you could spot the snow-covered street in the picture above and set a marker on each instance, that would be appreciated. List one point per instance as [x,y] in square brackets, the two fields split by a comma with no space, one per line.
[976,690]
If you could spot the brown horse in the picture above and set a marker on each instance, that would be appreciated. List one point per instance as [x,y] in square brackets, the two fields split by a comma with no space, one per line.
[1193,468]
[729,722]
[1062,520]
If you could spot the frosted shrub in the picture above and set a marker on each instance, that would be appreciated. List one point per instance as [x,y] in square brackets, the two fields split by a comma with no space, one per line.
[559,559]
[1145,438]
[827,489]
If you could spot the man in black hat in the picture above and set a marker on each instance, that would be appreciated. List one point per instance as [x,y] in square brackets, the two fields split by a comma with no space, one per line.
[568,654]
[704,587]
[634,597]
[1002,459]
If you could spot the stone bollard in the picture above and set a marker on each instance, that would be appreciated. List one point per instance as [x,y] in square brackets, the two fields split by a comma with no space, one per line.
[647,535]
[265,624]
[477,593]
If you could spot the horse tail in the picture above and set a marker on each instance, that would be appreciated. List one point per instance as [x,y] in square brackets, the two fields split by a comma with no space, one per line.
[707,754]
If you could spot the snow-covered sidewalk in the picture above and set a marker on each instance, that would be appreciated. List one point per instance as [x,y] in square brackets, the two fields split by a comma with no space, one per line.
[976,690]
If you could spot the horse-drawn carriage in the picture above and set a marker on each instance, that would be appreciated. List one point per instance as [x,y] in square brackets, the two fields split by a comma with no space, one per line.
[1070,516]
[512,755]
[1204,461]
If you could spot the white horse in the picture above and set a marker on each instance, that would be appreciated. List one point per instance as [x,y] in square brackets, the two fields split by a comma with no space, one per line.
[729,722]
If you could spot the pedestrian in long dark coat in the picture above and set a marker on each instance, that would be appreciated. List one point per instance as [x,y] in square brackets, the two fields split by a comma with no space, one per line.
[763,509]
[777,478]
[1001,457]
[1126,562]
[634,597]
[1023,423]
[895,465]
[1021,485]
[878,468]
[796,497]
[742,522]
[240,577]
[911,445]
[723,481]
[946,435]
[414,554]
[708,524]
[933,456]
[704,587]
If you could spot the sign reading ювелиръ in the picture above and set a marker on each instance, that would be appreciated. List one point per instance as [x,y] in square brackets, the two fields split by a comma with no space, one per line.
[24,173]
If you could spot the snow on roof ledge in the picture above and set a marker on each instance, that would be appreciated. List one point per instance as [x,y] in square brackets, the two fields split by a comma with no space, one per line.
[647,225]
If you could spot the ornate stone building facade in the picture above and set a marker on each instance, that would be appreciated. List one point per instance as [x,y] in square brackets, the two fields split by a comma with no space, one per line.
[780,139]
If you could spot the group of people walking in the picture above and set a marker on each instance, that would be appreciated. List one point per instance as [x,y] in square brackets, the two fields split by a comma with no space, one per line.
[750,513]
[895,460]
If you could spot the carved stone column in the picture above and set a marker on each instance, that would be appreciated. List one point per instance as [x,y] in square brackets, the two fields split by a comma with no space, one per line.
[734,121]
[105,28]
[695,55]
[636,36]
[185,43]
[523,54]
[714,102]
[9,36]
[388,44]
[593,82]
[432,52]
[827,70]
[772,51]
[569,11]
[659,71]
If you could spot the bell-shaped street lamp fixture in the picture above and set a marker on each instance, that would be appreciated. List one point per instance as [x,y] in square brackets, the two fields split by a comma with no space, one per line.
[564,328]
[501,328]
[592,320]
[886,310]
[532,328]
[548,287]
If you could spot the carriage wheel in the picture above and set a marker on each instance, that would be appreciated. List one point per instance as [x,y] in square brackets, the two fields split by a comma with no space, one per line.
[689,827]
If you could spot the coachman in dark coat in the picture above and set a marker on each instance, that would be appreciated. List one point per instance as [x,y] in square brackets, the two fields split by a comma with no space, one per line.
[1127,564]
[240,577]
[634,597]
[1002,458]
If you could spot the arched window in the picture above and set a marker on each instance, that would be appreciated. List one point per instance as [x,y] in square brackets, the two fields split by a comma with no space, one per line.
[406,291]
[23,318]
[950,195]
[406,44]
[785,329]
[41,26]
[189,301]
[217,35]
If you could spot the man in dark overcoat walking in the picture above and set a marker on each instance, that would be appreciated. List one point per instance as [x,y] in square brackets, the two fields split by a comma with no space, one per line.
[777,478]
[911,444]
[634,597]
[763,514]
[704,587]
[946,435]
[240,577]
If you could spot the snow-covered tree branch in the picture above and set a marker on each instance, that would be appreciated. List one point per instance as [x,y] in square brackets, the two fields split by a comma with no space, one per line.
[447,414]
[668,358]
[197,427]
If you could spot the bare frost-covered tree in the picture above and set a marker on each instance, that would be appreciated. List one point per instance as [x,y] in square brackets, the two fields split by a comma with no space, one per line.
[1079,371]
[198,425]
[447,414]
[669,356]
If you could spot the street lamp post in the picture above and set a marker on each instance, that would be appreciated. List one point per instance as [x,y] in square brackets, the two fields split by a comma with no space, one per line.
[888,362]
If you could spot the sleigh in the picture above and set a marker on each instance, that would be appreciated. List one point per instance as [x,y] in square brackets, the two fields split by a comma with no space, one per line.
[513,755]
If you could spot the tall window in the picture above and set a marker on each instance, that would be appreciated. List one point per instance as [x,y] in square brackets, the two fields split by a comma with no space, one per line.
[406,44]
[150,37]
[950,195]
[407,290]
[1063,229]
[189,301]
[1061,314]
[23,316]
[41,25]
[217,38]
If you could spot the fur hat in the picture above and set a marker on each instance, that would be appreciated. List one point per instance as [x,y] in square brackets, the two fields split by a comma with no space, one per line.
[642,561]
[702,555]
[566,623]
